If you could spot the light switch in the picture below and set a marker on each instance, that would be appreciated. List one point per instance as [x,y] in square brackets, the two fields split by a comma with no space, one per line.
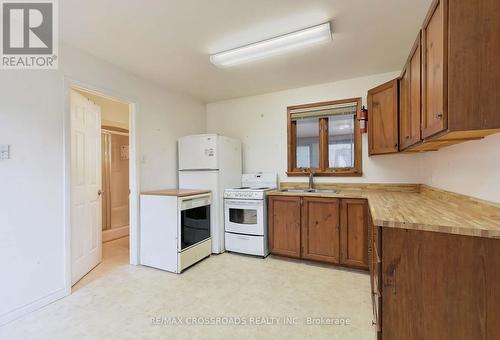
[4,151]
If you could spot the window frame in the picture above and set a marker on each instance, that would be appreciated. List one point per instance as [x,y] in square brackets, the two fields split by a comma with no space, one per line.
[323,169]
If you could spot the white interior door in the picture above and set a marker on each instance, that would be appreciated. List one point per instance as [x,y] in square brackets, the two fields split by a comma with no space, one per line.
[86,222]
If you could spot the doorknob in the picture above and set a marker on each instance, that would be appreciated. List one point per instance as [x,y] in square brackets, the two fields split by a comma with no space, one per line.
[99,192]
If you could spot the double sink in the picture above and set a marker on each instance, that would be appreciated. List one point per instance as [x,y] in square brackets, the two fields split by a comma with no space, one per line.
[323,191]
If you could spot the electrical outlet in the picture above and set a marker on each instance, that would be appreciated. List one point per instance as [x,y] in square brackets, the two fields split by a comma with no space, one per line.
[4,151]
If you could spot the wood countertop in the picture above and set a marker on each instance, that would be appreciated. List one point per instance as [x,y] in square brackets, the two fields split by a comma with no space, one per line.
[419,207]
[176,192]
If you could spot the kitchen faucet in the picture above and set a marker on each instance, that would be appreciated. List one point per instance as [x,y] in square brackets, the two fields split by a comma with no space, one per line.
[311,180]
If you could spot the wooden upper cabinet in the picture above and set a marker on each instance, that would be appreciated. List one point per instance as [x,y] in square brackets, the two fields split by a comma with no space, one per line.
[474,67]
[354,233]
[435,114]
[284,225]
[410,84]
[320,229]
[383,119]
[459,71]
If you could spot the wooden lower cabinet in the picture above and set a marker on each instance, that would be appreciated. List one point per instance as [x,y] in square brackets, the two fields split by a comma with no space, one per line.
[284,225]
[321,229]
[436,286]
[354,233]
[375,276]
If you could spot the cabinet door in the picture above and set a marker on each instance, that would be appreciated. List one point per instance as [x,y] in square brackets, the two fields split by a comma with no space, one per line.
[376,276]
[383,118]
[404,107]
[320,229]
[354,233]
[435,115]
[410,106]
[432,291]
[284,225]
[399,321]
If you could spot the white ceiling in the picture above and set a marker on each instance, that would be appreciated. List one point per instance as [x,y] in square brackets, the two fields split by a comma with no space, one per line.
[169,41]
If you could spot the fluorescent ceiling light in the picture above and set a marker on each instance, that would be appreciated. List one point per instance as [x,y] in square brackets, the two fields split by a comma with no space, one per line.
[291,41]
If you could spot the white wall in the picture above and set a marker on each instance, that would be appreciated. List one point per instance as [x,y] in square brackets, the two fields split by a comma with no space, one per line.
[261,123]
[32,118]
[113,112]
[471,168]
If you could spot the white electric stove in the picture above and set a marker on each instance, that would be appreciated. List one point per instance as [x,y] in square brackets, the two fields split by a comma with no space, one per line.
[245,214]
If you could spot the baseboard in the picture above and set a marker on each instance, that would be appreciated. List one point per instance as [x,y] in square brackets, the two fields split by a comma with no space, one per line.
[32,306]
[115,233]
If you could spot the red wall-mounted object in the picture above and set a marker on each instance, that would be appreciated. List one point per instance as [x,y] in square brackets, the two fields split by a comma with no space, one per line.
[363,119]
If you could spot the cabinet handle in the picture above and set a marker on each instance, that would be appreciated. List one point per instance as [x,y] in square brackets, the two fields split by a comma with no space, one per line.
[394,287]
[438,115]
[407,137]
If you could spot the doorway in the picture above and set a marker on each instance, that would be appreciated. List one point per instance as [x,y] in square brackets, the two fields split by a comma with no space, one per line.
[115,183]
[100,207]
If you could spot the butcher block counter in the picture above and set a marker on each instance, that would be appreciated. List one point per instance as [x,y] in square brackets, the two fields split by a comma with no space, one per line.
[175,192]
[433,255]
[416,207]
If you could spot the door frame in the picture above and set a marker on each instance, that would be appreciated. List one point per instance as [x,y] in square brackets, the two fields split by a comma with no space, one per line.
[70,84]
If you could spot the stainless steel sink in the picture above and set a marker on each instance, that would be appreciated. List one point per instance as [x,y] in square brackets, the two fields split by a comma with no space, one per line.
[325,191]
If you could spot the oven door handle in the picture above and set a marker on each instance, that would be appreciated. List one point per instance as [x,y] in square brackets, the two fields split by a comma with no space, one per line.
[244,203]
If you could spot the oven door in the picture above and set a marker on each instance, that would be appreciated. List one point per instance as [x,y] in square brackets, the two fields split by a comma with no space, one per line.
[244,216]
[194,222]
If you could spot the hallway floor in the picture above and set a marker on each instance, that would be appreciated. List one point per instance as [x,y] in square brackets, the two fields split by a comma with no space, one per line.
[228,296]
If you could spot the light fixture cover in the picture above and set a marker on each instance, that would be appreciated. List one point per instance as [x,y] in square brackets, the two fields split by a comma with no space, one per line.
[278,45]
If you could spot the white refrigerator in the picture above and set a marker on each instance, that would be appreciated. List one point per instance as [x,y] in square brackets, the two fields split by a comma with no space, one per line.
[211,162]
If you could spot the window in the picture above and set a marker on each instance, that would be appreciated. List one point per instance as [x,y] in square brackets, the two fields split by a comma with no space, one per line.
[325,138]
[308,143]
